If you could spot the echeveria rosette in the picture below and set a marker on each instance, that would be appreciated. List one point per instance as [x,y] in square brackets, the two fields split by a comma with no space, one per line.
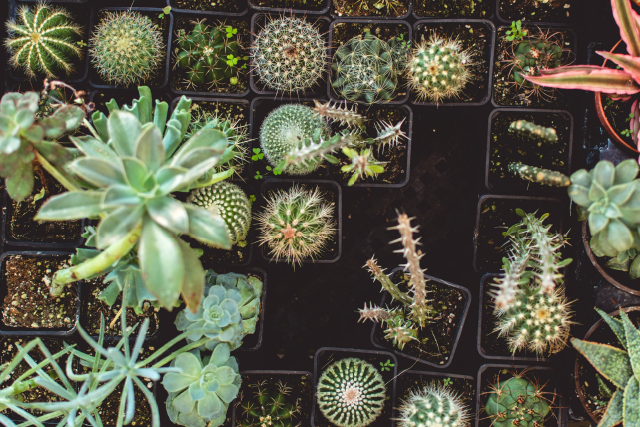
[200,395]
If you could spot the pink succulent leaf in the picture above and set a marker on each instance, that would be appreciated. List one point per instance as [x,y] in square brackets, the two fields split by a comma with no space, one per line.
[622,13]
[599,79]
[618,97]
[586,68]
[634,122]
[629,63]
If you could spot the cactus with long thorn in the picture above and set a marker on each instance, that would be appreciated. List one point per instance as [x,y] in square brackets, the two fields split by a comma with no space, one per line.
[339,114]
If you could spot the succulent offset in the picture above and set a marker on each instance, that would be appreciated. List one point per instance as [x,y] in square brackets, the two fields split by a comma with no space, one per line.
[433,405]
[268,407]
[351,393]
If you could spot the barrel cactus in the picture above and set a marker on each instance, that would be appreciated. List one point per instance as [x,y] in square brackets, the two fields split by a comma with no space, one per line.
[268,407]
[210,55]
[439,69]
[434,405]
[289,54]
[231,203]
[42,40]
[364,70]
[533,55]
[126,48]
[351,393]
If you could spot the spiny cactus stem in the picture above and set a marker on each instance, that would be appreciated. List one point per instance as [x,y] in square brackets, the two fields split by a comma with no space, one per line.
[410,253]
[387,284]
[374,313]
[337,113]
[514,267]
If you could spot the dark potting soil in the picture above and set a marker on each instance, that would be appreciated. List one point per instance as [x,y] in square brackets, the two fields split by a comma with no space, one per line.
[28,303]
[452,9]
[507,92]
[413,382]
[229,6]
[298,388]
[435,339]
[617,112]
[178,75]
[20,223]
[507,148]
[535,10]
[372,8]
[291,4]
[476,40]
[122,97]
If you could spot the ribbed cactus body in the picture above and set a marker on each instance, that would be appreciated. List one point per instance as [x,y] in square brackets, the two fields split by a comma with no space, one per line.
[351,393]
[516,402]
[433,406]
[438,69]
[534,55]
[539,175]
[273,408]
[533,132]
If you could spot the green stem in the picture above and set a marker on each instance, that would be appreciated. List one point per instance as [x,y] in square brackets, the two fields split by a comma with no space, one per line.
[184,349]
[220,176]
[59,176]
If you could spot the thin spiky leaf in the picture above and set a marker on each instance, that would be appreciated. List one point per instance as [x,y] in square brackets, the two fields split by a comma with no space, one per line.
[611,362]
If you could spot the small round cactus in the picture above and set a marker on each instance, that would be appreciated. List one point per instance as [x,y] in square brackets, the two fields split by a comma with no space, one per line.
[296,224]
[284,129]
[289,55]
[268,407]
[126,48]
[533,55]
[229,201]
[351,393]
[516,402]
[43,40]
[433,406]
[438,69]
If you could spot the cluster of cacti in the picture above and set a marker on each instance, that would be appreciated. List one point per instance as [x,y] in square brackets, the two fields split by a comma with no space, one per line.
[231,203]
[289,54]
[43,40]
[351,393]
[126,48]
[434,406]
[210,55]
[268,407]
[296,224]
[438,69]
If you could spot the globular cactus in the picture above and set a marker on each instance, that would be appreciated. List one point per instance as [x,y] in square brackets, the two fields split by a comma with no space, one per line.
[364,70]
[296,224]
[351,393]
[439,69]
[268,408]
[126,48]
[210,55]
[287,128]
[533,132]
[434,406]
[539,175]
[43,40]
[289,55]
[231,203]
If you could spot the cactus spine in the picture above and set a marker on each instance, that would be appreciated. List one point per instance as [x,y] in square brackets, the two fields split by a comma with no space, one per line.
[434,406]
[539,175]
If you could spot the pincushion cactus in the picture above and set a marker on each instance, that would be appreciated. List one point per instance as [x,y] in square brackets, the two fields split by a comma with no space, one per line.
[296,224]
[288,55]
[43,40]
[231,203]
[434,405]
[438,69]
[351,393]
[268,407]
[126,48]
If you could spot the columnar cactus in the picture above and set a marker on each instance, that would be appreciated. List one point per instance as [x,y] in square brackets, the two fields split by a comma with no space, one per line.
[439,69]
[351,393]
[296,224]
[268,407]
[126,48]
[231,203]
[210,55]
[289,54]
[539,175]
[533,132]
[517,402]
[43,40]
[434,405]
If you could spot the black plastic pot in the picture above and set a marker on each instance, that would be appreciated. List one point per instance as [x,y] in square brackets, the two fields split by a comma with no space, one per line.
[453,30]
[162,72]
[327,355]
[486,13]
[301,377]
[507,19]
[491,261]
[242,9]
[388,345]
[32,332]
[511,183]
[335,250]
[125,97]
[409,5]
[319,11]
[257,23]
[175,73]
[369,23]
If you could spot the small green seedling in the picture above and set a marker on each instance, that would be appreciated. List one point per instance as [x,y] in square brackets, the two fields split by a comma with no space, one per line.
[447,382]
[165,11]
[386,366]
[516,33]
[257,155]
[231,32]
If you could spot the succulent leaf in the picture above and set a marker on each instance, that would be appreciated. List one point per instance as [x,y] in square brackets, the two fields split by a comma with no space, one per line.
[611,362]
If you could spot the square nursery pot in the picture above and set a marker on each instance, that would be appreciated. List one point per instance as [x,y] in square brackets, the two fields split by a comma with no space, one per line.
[312,7]
[38,295]
[161,77]
[489,373]
[83,16]
[258,22]
[177,80]
[68,234]
[461,302]
[300,394]
[495,215]
[507,93]
[476,36]
[536,11]
[341,9]
[343,30]
[215,7]
[333,194]
[465,9]
[503,148]
[325,356]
